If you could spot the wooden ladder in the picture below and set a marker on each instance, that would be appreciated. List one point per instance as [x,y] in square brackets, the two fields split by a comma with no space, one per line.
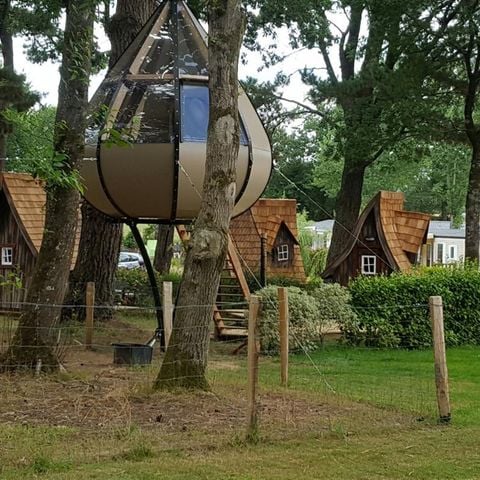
[230,315]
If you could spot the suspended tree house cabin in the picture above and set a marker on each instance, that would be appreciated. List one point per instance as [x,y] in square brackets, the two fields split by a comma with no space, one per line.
[146,149]
[146,144]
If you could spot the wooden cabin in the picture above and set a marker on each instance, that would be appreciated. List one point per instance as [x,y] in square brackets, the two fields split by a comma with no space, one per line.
[273,223]
[22,221]
[386,238]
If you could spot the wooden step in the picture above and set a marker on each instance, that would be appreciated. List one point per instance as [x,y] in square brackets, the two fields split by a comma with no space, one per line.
[234,332]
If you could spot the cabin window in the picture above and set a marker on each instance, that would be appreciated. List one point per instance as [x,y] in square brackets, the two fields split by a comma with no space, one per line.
[282,253]
[7,256]
[369,264]
[440,253]
[452,252]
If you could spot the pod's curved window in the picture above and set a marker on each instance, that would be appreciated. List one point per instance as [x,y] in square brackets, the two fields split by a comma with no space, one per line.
[195,113]
[144,112]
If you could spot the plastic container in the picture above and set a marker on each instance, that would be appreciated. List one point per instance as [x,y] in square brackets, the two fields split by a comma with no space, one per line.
[132,354]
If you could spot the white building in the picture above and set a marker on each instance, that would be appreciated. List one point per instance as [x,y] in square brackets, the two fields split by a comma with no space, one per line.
[322,233]
[446,245]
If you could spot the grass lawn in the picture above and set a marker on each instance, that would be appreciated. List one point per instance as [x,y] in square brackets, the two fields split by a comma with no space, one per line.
[348,414]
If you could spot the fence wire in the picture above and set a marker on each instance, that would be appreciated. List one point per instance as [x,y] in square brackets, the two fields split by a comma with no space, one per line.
[337,371]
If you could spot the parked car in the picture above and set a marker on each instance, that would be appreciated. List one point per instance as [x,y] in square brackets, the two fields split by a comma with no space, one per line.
[130,260]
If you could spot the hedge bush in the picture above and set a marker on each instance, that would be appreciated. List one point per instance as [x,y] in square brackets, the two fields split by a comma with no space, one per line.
[393,311]
[310,314]
[132,286]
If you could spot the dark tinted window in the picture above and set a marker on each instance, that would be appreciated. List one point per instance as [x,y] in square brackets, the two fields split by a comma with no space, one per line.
[195,113]
[146,113]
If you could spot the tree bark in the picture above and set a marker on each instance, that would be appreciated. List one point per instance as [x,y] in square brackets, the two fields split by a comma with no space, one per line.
[101,237]
[185,362]
[164,249]
[34,341]
[8,63]
[6,35]
[347,208]
[472,209]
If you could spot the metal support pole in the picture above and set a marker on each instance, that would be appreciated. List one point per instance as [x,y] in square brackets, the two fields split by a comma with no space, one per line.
[153,281]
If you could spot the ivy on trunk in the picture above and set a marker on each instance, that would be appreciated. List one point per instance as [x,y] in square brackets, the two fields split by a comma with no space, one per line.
[34,341]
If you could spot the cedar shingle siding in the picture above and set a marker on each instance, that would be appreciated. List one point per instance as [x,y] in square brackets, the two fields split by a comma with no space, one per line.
[276,219]
[384,230]
[22,222]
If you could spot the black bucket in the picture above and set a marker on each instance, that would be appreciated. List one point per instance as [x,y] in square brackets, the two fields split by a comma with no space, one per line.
[132,354]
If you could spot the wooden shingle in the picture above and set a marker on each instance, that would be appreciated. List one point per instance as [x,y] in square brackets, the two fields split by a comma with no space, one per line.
[27,199]
[265,218]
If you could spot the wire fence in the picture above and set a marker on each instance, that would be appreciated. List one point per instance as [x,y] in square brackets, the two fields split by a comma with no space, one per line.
[335,371]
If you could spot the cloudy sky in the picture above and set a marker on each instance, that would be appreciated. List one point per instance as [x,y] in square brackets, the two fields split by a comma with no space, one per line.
[44,78]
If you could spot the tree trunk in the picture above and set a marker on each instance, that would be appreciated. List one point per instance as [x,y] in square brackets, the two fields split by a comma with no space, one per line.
[5,35]
[472,209]
[8,63]
[101,238]
[185,362]
[34,341]
[347,209]
[164,249]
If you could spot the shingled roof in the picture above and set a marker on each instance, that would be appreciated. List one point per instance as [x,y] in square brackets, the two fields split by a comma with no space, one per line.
[266,217]
[400,232]
[27,198]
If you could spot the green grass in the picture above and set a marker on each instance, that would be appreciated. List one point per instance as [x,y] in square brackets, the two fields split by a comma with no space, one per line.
[377,399]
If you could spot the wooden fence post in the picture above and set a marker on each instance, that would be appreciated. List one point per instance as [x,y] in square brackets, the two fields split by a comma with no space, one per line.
[441,371]
[253,355]
[167,311]
[284,321]
[89,315]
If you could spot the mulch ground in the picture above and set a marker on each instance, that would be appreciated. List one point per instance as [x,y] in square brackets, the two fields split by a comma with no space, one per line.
[94,394]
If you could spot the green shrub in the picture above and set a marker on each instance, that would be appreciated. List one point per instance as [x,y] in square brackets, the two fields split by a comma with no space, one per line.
[132,286]
[333,304]
[311,314]
[304,329]
[393,311]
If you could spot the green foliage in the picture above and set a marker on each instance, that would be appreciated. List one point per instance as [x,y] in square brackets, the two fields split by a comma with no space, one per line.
[128,241]
[393,311]
[150,233]
[311,313]
[32,138]
[133,286]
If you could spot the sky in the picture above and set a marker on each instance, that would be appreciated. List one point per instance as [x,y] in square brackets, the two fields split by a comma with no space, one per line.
[44,78]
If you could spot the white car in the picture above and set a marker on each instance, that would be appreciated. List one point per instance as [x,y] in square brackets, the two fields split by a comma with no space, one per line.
[130,260]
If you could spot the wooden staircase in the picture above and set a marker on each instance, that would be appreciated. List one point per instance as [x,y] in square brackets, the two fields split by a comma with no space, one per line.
[232,299]
[231,311]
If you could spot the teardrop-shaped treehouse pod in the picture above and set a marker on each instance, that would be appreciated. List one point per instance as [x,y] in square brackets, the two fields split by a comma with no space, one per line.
[146,148]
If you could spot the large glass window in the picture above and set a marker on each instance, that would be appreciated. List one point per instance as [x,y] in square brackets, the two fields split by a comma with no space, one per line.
[195,114]
[146,113]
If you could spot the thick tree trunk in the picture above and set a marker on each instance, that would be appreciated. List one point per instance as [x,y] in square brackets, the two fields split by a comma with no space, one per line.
[347,209]
[33,341]
[5,35]
[97,263]
[101,238]
[185,362]
[124,26]
[164,249]
[472,209]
